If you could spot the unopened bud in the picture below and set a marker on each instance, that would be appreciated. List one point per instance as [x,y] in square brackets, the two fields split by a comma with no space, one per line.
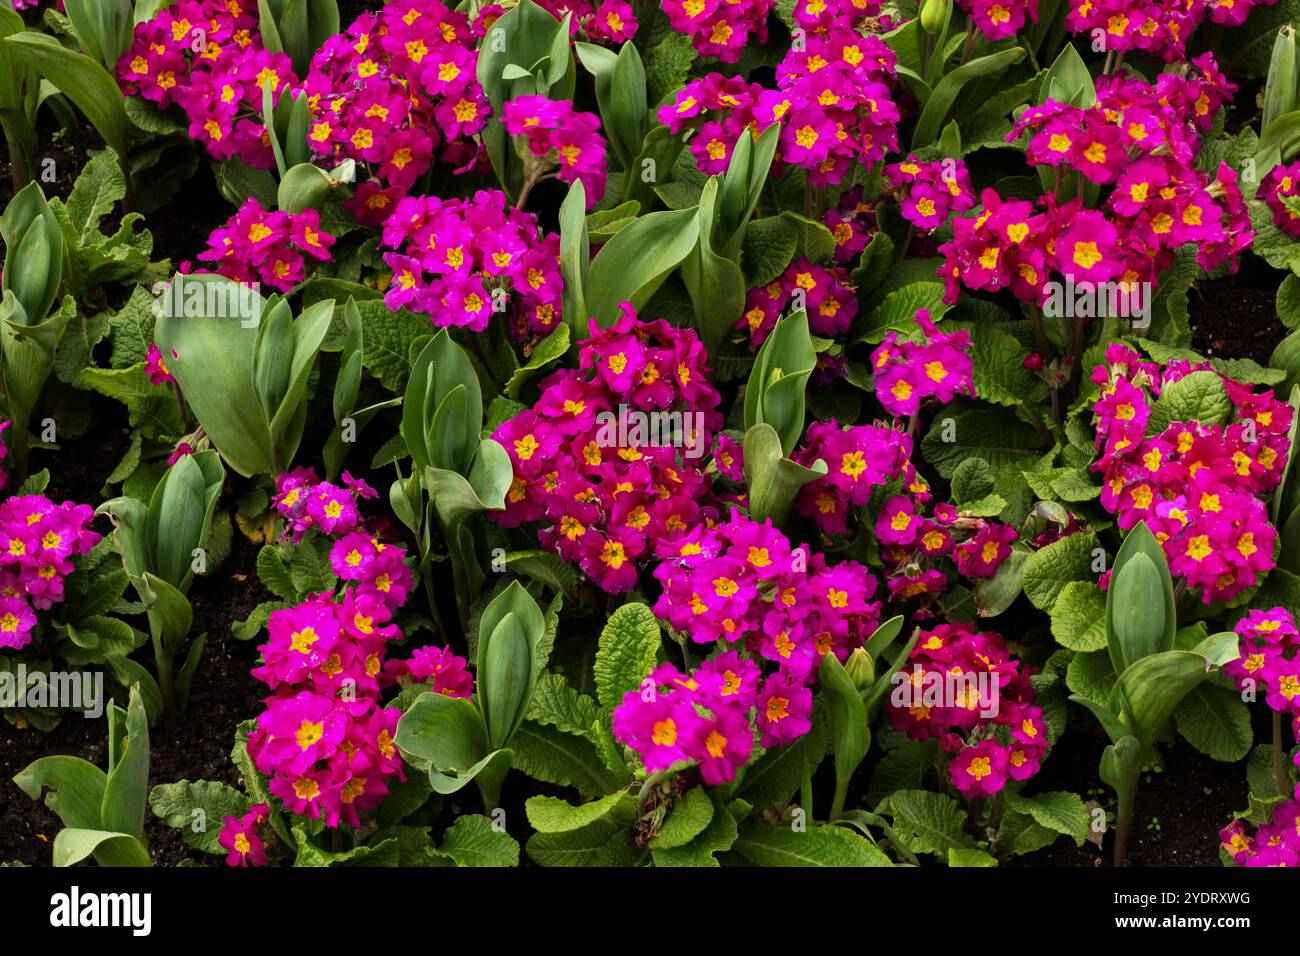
[933,13]
[861,669]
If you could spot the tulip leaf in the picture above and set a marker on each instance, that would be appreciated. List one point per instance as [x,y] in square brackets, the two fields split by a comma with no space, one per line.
[632,265]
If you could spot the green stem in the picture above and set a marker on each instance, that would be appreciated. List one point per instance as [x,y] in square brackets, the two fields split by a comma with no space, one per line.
[1124,820]
[1076,356]
[647,788]
[968,47]
[929,51]
[841,795]
[163,664]
[973,816]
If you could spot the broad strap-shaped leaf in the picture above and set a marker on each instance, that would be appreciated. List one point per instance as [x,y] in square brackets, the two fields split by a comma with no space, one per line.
[71,846]
[1149,689]
[772,480]
[126,793]
[76,789]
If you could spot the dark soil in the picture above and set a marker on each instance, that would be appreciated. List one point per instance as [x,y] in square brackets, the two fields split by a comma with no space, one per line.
[68,149]
[349,10]
[1237,317]
[78,469]
[222,696]
[181,228]
[1180,806]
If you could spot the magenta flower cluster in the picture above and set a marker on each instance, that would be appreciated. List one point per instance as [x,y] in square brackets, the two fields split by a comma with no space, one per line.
[460,260]
[305,502]
[206,56]
[823,292]
[937,365]
[833,101]
[38,540]
[393,92]
[1159,28]
[743,583]
[720,28]
[604,21]
[1198,486]
[1270,659]
[604,488]
[1140,140]
[1276,843]
[270,248]
[241,837]
[999,19]
[852,224]
[560,136]
[858,460]
[1280,190]
[965,689]
[930,192]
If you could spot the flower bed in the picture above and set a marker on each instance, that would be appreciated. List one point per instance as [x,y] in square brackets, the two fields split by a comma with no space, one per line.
[681,434]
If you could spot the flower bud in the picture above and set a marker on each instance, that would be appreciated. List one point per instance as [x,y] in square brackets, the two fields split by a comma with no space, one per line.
[933,13]
[861,669]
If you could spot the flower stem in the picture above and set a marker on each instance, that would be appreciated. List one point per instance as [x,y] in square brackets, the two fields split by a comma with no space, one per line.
[968,47]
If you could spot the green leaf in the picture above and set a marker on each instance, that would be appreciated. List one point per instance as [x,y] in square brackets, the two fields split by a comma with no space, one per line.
[897,311]
[769,247]
[473,841]
[774,777]
[632,265]
[688,819]
[987,433]
[627,651]
[547,754]
[196,809]
[1288,301]
[1216,721]
[718,836]
[1058,811]
[127,790]
[971,480]
[1091,676]
[1020,834]
[132,328]
[445,734]
[553,815]
[1152,687]
[1050,569]
[927,822]
[82,80]
[846,715]
[601,844]
[965,858]
[813,240]
[99,187]
[76,789]
[873,265]
[110,849]
[548,350]
[833,846]
[945,92]
[558,705]
[1000,374]
[384,853]
[1198,397]
[1079,617]
[272,573]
